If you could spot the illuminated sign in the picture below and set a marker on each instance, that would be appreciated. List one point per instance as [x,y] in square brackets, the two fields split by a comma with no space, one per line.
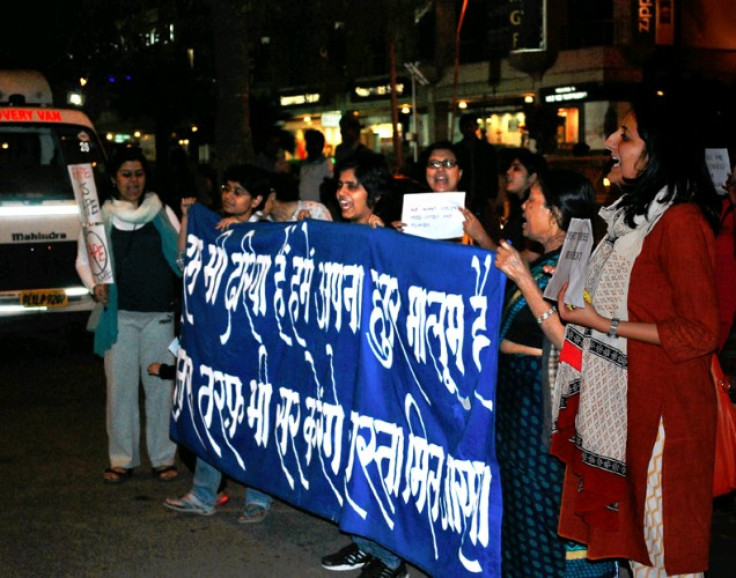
[528,25]
[566,93]
[48,115]
[379,91]
[645,15]
[29,115]
[297,99]
[655,21]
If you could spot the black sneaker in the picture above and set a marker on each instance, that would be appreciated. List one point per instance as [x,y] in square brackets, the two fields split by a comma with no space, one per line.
[349,558]
[377,569]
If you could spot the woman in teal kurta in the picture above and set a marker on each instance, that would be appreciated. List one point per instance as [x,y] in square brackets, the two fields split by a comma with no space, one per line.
[531,331]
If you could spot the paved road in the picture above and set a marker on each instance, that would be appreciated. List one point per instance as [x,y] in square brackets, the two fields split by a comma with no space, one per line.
[59,519]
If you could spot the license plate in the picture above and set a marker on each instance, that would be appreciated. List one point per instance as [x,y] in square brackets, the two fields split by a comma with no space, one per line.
[44,298]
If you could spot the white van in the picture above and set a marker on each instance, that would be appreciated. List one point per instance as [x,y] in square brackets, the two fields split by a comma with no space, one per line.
[39,217]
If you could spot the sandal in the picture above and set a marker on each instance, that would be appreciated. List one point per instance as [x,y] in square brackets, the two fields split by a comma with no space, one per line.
[253,514]
[189,504]
[116,475]
[165,473]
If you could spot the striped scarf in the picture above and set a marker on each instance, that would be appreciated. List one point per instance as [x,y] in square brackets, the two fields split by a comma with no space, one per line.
[589,408]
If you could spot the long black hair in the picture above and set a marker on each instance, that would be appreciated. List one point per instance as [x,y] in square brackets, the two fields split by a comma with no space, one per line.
[569,195]
[674,157]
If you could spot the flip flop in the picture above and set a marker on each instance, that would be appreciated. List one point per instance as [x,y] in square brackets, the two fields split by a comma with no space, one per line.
[253,514]
[116,475]
[165,473]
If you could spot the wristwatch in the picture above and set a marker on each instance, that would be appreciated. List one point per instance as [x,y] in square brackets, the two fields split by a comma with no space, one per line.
[614,327]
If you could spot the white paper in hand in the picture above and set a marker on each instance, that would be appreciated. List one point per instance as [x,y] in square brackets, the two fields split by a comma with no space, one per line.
[719,167]
[433,215]
[572,267]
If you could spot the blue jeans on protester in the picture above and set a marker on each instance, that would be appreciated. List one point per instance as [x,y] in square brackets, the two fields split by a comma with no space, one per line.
[207,480]
[370,547]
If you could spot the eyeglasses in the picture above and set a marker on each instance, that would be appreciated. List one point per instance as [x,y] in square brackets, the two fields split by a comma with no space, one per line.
[236,190]
[447,163]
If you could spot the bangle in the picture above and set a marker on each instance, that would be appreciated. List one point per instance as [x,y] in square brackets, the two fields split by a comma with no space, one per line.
[546,315]
[614,327]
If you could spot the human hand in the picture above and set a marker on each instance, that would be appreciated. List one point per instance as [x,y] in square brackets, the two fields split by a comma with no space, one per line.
[187,202]
[471,225]
[475,230]
[303,214]
[225,223]
[584,316]
[375,221]
[101,293]
[398,225]
[154,369]
[509,261]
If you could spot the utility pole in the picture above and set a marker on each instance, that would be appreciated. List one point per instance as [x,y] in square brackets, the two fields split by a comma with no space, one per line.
[416,76]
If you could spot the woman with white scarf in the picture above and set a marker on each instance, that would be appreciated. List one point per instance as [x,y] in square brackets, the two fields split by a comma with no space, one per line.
[135,318]
[636,423]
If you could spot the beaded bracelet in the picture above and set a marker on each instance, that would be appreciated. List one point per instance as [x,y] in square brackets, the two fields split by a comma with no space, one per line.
[546,315]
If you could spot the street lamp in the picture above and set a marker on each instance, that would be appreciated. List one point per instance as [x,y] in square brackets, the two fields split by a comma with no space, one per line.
[416,76]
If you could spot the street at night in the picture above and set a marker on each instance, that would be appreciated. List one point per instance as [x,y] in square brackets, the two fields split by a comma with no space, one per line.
[61,520]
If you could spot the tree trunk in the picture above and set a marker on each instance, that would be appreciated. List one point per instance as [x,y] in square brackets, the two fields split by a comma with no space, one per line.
[233,135]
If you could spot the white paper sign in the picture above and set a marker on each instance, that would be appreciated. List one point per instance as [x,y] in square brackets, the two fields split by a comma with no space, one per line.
[98,251]
[90,213]
[85,192]
[719,168]
[433,215]
[572,267]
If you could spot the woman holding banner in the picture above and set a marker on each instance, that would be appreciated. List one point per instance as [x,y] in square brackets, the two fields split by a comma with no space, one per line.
[362,180]
[531,329]
[135,317]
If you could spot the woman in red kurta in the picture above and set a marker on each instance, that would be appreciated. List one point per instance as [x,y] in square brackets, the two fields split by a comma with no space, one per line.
[636,425]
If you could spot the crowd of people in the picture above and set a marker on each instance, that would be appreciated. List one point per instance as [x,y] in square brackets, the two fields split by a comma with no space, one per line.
[605,413]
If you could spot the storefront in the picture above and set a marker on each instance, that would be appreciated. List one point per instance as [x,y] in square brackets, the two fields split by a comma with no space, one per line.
[586,113]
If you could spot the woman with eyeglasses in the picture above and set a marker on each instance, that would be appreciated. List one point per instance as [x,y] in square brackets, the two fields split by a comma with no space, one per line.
[443,173]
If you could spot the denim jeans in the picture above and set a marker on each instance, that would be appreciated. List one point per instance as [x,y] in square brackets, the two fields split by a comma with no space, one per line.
[369,546]
[207,480]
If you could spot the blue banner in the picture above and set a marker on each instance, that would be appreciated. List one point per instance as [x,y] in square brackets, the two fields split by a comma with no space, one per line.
[349,371]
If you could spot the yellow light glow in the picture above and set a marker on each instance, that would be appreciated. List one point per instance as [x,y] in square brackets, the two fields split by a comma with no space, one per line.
[462,105]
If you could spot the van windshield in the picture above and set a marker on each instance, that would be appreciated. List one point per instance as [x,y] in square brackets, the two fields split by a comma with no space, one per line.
[34,159]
